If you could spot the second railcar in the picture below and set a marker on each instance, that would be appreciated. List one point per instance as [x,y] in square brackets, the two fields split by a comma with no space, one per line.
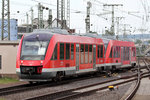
[120,54]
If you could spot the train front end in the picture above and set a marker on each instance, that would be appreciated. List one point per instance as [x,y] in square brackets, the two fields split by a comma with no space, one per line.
[31,54]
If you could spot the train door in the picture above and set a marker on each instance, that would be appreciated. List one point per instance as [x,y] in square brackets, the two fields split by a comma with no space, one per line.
[94,56]
[77,57]
[122,55]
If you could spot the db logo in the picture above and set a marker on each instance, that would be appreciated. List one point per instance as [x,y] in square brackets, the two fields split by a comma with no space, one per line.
[61,63]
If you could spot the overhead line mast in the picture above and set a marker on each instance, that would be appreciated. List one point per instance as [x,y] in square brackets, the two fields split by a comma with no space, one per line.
[62,14]
[5,28]
[113,24]
[87,20]
[68,13]
[40,16]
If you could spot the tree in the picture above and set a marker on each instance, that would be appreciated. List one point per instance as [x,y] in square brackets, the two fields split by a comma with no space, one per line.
[148,41]
[138,41]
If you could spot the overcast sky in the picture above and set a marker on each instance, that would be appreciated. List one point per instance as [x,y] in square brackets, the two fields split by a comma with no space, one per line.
[99,23]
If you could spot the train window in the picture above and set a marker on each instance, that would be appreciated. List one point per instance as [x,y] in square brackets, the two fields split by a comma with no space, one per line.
[128,53]
[62,51]
[106,45]
[72,51]
[134,51]
[124,53]
[86,53]
[119,52]
[101,54]
[110,56]
[98,51]
[0,61]
[54,56]
[82,53]
[90,53]
[114,52]
[67,50]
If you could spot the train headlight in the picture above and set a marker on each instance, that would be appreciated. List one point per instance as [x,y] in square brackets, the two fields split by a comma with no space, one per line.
[21,62]
[41,62]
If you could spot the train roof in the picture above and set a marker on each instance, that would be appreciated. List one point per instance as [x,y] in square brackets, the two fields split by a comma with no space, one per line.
[63,34]
[121,43]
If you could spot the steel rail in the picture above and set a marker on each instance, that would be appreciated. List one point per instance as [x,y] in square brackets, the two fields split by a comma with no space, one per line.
[70,92]
[133,92]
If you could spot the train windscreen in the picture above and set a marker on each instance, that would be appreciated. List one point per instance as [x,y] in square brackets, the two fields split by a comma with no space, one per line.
[34,47]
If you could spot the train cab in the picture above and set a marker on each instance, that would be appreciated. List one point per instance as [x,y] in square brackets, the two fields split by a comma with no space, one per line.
[31,56]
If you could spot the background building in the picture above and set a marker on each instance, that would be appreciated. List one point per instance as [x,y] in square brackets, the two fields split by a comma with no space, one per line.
[13,29]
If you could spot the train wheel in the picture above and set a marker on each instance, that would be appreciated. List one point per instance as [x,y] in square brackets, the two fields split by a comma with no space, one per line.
[30,82]
[58,77]
[113,69]
[108,72]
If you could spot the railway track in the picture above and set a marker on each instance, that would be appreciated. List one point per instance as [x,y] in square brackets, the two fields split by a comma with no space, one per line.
[140,76]
[29,87]
[72,93]
[90,89]
[131,95]
[84,90]
[20,88]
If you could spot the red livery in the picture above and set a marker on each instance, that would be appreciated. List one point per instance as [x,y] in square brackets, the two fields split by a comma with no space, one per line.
[47,55]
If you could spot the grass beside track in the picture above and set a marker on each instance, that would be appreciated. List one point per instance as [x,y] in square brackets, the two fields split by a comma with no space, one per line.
[2,99]
[7,80]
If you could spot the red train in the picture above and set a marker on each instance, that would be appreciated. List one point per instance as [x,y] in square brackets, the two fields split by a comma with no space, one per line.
[43,56]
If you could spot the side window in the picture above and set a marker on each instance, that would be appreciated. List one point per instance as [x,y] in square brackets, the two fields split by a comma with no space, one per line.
[123,53]
[61,51]
[86,53]
[72,51]
[119,52]
[114,50]
[128,53]
[54,56]
[67,50]
[82,53]
[110,56]
[98,51]
[101,54]
[134,51]
[90,53]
